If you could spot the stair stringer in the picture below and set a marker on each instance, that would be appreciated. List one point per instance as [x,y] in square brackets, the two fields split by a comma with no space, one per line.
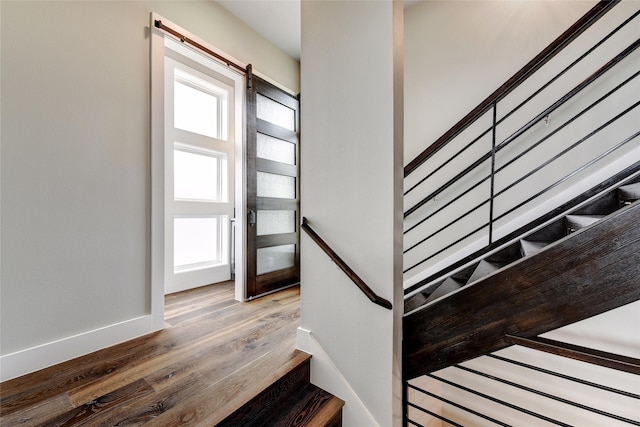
[473,320]
[326,375]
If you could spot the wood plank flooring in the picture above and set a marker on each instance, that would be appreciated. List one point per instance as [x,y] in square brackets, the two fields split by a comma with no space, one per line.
[213,355]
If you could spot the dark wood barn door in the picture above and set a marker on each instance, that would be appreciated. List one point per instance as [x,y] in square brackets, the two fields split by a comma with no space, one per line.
[273,249]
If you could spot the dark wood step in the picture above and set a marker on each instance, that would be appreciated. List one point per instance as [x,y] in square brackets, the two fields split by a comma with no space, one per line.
[289,401]
[311,406]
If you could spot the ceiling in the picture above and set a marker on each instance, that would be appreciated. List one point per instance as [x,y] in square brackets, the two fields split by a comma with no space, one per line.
[276,20]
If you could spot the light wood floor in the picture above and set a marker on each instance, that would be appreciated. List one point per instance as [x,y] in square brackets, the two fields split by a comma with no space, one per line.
[210,358]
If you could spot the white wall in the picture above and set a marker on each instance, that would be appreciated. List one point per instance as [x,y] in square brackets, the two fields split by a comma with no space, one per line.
[351,188]
[76,168]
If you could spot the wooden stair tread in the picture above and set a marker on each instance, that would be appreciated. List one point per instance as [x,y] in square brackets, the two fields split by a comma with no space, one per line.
[237,391]
[288,400]
[311,406]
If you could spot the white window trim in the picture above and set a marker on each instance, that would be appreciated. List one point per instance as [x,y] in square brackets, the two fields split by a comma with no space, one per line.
[157,249]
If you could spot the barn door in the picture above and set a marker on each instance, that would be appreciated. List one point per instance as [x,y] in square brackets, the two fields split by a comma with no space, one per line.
[273,240]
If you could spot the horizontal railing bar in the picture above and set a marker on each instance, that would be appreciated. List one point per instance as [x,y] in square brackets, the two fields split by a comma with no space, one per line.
[548,395]
[536,93]
[565,377]
[438,416]
[583,354]
[580,58]
[569,176]
[445,248]
[478,162]
[571,120]
[449,160]
[573,92]
[464,193]
[484,202]
[585,83]
[457,405]
[565,178]
[600,9]
[448,184]
[566,150]
[375,298]
[498,401]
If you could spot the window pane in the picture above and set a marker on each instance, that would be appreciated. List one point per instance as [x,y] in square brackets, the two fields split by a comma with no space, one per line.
[276,113]
[196,110]
[276,258]
[276,222]
[195,242]
[279,186]
[276,149]
[195,175]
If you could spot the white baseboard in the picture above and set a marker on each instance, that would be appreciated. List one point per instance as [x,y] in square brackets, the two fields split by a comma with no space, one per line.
[327,376]
[32,359]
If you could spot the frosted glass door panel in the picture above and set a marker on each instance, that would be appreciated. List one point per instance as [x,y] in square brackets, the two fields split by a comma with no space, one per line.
[195,242]
[276,222]
[278,186]
[276,258]
[276,113]
[195,176]
[275,149]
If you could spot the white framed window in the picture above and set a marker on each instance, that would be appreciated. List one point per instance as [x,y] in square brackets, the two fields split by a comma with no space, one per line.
[198,180]
[199,105]
[199,174]
[199,242]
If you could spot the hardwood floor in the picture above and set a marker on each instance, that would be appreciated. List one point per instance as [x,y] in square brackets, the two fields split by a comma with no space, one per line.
[213,355]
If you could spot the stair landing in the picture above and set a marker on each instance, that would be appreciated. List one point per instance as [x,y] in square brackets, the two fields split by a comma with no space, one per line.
[214,355]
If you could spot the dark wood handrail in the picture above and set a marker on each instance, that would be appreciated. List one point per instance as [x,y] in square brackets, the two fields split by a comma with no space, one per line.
[584,354]
[375,298]
[599,10]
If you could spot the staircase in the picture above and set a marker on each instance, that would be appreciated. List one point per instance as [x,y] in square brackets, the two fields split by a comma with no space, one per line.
[290,401]
[527,289]
[580,217]
[503,246]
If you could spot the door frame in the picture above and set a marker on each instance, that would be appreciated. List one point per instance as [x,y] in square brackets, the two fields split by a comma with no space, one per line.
[158,45]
